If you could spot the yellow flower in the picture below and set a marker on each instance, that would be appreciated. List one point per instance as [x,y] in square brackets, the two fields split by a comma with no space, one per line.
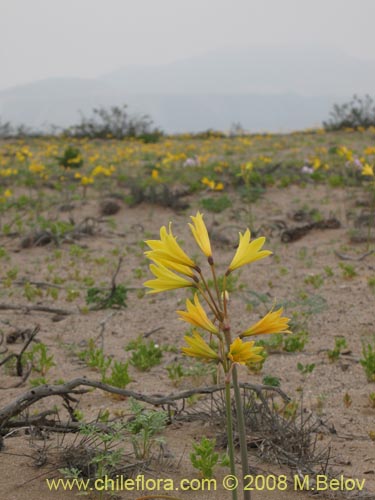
[197,316]
[165,280]
[36,168]
[155,174]
[208,182]
[85,181]
[368,170]
[248,252]
[199,348]
[200,233]
[168,250]
[243,352]
[272,322]
[8,193]
[180,268]
[219,186]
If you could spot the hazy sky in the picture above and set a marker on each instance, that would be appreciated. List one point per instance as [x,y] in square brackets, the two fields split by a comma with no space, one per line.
[85,38]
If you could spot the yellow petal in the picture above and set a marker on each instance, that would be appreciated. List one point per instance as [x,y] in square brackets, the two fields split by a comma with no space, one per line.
[168,248]
[243,352]
[165,280]
[200,233]
[272,322]
[199,348]
[247,251]
[197,316]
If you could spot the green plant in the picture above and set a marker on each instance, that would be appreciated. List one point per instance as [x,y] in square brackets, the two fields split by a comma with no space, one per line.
[371,284]
[216,205]
[271,380]
[204,458]
[316,280]
[39,359]
[295,341]
[229,349]
[102,299]
[119,375]
[334,354]
[71,158]
[305,369]
[175,372]
[358,112]
[144,427]
[95,358]
[348,270]
[144,355]
[368,360]
[347,400]
[329,272]
[371,398]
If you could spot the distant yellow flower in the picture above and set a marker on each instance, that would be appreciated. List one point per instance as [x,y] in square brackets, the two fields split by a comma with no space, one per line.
[36,168]
[155,174]
[248,252]
[219,186]
[272,322]
[243,352]
[368,170]
[199,348]
[317,163]
[168,249]
[8,193]
[197,316]
[247,167]
[85,181]
[208,182]
[200,233]
[165,280]
[99,170]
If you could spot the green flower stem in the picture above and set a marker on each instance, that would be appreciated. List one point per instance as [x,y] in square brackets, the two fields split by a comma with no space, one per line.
[209,303]
[212,266]
[229,422]
[241,429]
[218,314]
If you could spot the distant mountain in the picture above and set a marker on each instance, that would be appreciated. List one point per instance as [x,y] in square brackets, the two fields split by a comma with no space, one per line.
[263,88]
[261,70]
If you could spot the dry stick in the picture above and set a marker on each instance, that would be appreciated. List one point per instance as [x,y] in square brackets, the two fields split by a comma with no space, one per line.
[103,324]
[350,257]
[19,355]
[33,395]
[26,309]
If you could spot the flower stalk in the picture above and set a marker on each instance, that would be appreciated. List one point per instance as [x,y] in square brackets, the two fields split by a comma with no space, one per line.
[169,262]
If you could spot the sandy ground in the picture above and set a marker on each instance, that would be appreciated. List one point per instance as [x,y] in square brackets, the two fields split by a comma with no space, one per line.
[343,306]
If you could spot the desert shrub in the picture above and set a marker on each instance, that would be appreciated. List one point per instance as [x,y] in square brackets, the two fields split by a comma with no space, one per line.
[358,112]
[115,123]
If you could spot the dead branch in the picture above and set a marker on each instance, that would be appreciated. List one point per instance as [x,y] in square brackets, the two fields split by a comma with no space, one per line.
[350,257]
[27,309]
[27,399]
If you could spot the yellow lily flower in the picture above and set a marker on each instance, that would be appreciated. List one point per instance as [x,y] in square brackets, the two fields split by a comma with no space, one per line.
[368,170]
[272,322]
[197,316]
[199,348]
[200,233]
[248,252]
[168,249]
[165,280]
[243,352]
[180,268]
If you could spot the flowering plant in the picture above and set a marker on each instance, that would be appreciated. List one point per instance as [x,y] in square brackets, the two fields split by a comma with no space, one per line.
[174,269]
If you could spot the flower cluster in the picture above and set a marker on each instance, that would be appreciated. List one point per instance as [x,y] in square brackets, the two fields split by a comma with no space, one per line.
[174,269]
